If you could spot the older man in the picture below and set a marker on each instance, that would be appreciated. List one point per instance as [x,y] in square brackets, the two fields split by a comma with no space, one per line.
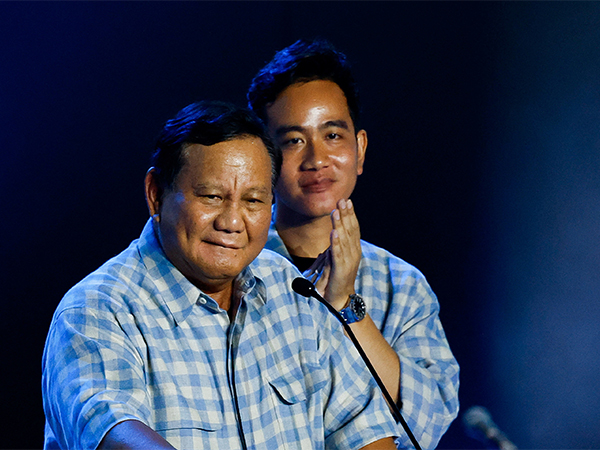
[307,97]
[183,341]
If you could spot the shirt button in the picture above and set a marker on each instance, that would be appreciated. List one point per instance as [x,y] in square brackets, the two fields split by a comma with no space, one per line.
[202,300]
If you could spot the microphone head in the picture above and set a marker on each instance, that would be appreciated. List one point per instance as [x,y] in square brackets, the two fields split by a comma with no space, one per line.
[479,425]
[303,287]
[478,418]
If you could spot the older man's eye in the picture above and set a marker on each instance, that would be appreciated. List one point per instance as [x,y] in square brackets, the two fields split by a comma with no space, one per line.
[211,197]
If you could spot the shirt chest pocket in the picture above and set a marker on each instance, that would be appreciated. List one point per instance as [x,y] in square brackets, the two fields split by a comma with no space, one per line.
[297,396]
[294,383]
[189,401]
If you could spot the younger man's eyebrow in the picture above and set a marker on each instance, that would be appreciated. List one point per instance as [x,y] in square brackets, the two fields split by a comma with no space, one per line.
[280,131]
[335,123]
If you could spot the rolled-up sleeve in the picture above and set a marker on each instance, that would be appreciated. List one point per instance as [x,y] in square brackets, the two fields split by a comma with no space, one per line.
[429,372]
[92,377]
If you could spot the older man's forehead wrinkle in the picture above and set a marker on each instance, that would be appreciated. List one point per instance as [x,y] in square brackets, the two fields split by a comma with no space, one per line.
[260,189]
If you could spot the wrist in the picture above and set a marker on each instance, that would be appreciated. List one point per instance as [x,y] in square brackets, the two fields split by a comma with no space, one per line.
[355,311]
[342,302]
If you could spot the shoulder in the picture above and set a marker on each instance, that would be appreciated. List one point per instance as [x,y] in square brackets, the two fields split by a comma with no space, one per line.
[392,287]
[377,260]
[108,287]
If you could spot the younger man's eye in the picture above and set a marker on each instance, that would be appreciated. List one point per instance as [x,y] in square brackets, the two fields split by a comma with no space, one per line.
[292,141]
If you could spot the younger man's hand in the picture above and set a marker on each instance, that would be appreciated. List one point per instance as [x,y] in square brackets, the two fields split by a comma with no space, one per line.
[339,263]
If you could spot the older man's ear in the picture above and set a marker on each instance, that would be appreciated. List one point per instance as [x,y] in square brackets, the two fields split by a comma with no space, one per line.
[153,194]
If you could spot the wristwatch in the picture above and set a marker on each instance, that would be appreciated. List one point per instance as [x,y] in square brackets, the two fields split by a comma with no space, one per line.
[355,311]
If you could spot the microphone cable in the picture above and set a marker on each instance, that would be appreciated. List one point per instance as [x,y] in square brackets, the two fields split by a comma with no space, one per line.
[305,288]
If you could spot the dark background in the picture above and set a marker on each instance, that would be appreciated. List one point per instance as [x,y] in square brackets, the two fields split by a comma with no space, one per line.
[482,170]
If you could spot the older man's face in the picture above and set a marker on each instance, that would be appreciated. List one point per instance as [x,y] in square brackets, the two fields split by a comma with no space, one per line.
[215,219]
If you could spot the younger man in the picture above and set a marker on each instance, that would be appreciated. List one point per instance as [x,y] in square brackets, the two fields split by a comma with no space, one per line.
[308,99]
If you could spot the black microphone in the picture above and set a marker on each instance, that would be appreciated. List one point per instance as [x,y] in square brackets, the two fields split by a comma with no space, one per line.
[305,288]
[479,424]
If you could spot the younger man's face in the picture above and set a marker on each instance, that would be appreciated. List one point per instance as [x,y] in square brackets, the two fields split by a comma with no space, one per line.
[322,153]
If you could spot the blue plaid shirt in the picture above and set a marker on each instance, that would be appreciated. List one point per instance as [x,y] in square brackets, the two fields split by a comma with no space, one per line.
[136,340]
[405,309]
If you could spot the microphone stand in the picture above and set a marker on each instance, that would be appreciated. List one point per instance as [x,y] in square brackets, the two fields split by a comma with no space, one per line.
[305,288]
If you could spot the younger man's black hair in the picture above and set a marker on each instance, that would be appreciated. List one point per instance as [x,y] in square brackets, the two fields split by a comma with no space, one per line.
[303,61]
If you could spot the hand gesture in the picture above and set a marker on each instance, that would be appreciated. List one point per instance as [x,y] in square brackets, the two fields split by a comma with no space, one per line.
[338,265]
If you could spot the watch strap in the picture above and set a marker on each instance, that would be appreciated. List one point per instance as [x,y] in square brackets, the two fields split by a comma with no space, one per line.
[355,310]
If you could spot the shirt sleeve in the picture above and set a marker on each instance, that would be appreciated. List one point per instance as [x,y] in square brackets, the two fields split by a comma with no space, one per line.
[429,372]
[93,377]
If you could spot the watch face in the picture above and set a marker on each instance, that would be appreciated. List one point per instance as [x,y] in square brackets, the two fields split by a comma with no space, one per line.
[358,306]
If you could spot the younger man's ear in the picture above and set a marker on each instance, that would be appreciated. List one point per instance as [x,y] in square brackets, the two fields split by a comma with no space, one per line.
[153,193]
[362,141]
